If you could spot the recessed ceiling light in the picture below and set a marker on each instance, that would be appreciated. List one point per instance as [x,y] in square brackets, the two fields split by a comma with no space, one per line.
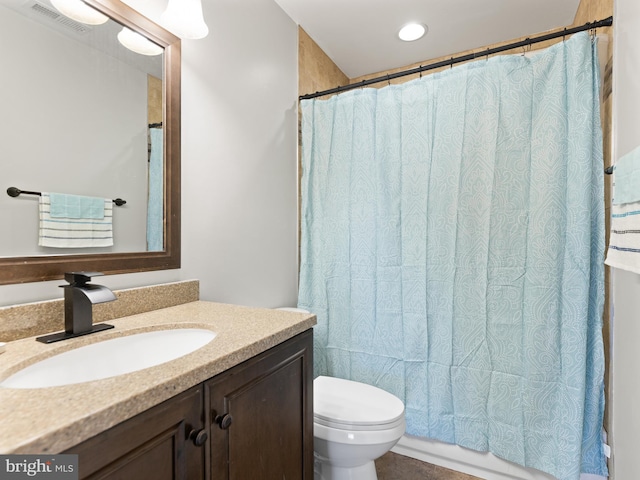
[412,31]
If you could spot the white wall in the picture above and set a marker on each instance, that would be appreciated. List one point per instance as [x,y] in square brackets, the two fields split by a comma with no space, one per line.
[625,408]
[240,150]
[239,160]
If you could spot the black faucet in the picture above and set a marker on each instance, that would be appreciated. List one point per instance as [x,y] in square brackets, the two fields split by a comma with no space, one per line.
[79,297]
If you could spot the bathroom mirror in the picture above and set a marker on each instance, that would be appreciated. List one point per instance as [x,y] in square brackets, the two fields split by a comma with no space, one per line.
[110,135]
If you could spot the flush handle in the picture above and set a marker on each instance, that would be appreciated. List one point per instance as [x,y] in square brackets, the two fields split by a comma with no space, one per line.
[224,421]
[199,437]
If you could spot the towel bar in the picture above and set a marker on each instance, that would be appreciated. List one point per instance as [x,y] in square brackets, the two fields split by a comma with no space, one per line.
[15,192]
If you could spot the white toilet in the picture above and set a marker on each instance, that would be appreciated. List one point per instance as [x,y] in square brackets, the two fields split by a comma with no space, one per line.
[353,424]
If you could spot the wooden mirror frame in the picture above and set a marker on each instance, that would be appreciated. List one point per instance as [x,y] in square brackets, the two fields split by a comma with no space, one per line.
[40,268]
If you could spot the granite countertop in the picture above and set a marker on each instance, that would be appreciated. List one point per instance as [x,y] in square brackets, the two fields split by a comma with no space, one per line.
[53,419]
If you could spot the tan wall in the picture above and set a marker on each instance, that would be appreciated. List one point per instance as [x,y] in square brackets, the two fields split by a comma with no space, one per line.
[316,71]
[154,103]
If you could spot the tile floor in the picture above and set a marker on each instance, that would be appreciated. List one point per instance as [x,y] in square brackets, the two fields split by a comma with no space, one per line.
[392,466]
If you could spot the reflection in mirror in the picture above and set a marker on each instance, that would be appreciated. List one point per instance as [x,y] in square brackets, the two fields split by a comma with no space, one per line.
[78,116]
[84,114]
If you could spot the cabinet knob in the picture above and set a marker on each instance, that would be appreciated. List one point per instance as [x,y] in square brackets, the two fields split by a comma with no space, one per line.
[224,421]
[199,437]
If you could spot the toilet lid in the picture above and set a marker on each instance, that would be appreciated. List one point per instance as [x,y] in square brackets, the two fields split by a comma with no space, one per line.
[345,403]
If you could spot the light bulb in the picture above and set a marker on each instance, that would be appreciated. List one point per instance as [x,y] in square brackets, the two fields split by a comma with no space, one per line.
[412,31]
[80,12]
[137,43]
[185,19]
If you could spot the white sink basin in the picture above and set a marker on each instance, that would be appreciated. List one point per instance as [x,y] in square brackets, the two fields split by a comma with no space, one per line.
[110,358]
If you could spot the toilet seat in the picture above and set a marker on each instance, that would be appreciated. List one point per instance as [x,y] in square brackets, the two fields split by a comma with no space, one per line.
[354,406]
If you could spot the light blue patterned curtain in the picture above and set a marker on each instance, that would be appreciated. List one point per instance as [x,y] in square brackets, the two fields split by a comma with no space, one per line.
[155,202]
[452,249]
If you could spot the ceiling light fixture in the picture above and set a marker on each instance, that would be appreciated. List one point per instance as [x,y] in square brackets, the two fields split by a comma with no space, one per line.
[412,31]
[137,43]
[79,11]
[185,19]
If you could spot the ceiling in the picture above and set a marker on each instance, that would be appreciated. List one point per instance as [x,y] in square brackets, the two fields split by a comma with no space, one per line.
[360,36]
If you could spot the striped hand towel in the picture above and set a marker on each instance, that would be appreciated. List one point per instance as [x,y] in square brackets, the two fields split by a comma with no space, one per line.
[74,231]
[624,240]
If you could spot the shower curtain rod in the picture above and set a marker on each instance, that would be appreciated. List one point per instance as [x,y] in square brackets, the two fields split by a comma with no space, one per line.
[607,22]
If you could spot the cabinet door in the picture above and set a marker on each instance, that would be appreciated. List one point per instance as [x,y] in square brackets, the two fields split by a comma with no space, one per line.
[261,415]
[153,445]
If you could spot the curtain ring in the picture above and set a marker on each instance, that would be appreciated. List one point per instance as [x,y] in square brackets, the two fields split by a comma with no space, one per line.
[388,80]
[564,33]
[420,71]
[487,54]
[451,63]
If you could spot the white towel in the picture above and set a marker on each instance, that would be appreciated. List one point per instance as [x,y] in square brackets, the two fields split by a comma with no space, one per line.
[624,241]
[74,232]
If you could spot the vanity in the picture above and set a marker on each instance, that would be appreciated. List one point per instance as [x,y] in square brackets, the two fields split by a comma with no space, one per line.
[238,407]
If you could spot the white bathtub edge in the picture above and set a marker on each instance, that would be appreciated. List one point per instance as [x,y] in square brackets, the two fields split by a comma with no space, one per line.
[479,464]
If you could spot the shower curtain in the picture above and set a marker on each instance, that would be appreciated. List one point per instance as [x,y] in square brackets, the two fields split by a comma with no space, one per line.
[452,250]
[155,201]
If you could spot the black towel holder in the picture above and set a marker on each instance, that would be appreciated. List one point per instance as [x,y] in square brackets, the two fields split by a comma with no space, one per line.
[15,192]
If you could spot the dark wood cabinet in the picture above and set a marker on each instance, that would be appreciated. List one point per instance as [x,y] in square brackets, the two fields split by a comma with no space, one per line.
[254,421]
[261,416]
[153,445]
